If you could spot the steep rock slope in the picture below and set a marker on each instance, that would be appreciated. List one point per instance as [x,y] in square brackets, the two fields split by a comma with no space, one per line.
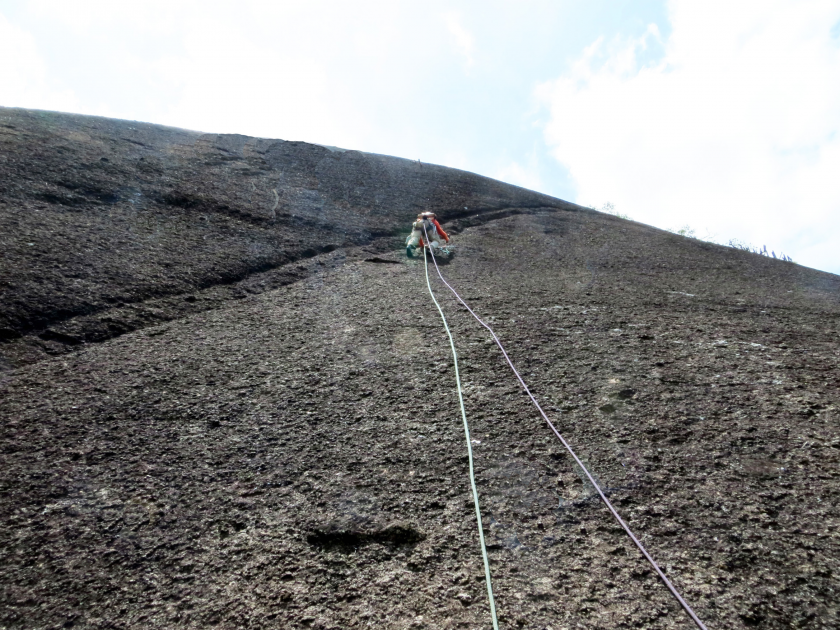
[290,454]
[108,226]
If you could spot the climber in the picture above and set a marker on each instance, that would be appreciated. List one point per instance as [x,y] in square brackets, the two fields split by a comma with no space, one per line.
[426,223]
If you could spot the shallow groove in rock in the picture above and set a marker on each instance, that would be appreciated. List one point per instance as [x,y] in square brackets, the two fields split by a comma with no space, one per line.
[109,323]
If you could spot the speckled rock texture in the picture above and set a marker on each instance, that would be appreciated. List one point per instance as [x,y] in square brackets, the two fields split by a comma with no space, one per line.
[108,226]
[221,413]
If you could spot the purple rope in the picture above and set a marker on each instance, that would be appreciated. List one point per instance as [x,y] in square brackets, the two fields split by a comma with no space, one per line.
[606,501]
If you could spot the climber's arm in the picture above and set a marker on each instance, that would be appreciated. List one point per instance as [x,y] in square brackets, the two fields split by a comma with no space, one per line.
[440,231]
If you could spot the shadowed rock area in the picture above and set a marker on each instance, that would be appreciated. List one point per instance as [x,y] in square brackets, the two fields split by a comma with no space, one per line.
[221,409]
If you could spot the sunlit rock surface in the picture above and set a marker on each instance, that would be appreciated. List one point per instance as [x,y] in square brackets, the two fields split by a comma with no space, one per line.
[227,399]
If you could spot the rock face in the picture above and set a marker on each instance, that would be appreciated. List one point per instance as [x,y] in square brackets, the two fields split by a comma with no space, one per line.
[111,226]
[227,399]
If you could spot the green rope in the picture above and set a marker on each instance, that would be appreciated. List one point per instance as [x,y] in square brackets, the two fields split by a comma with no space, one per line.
[469,451]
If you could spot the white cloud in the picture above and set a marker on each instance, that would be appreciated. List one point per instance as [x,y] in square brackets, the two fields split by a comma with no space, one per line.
[247,68]
[735,130]
[23,80]
[463,38]
[227,82]
[515,173]
[89,16]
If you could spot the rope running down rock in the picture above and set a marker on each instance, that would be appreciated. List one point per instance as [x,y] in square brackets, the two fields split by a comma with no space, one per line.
[606,501]
[469,449]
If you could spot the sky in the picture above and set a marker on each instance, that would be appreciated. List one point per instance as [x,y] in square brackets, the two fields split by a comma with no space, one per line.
[720,116]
